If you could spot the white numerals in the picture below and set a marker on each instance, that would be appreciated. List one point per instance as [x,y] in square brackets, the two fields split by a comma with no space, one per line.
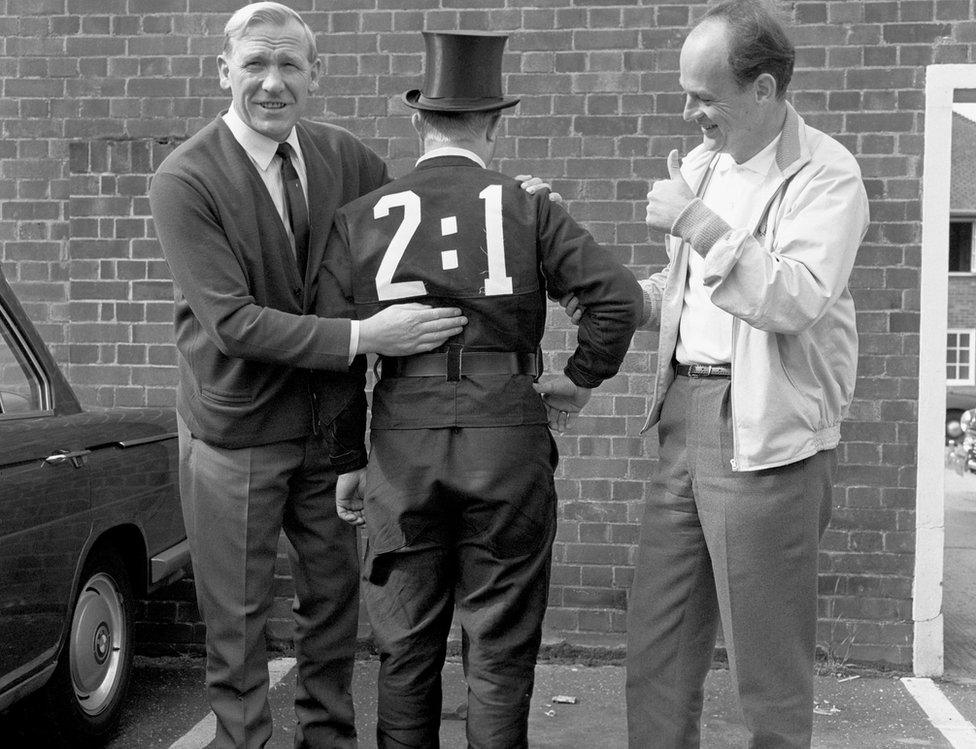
[497,281]
[386,287]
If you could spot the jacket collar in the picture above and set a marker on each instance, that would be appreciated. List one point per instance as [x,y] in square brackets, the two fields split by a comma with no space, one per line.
[793,150]
[452,151]
[260,148]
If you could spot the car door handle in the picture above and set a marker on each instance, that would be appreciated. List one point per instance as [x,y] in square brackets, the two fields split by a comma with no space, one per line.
[77,457]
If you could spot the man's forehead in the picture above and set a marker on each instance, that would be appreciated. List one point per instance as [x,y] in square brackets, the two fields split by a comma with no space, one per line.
[704,63]
[262,36]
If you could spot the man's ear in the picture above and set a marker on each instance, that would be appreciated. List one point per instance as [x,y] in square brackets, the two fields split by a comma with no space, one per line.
[415,121]
[493,127]
[314,74]
[765,87]
[223,71]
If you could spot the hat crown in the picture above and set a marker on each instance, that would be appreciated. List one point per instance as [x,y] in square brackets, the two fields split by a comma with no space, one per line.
[463,65]
[463,73]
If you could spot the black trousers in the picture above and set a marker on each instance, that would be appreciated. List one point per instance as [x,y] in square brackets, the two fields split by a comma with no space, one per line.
[459,518]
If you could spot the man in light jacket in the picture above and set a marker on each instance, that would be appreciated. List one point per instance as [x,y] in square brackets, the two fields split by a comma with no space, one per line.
[756,369]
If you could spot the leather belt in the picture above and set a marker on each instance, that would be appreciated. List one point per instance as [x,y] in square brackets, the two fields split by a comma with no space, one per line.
[456,363]
[704,370]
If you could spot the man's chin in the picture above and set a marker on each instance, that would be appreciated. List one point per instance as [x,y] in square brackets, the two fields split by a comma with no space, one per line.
[713,143]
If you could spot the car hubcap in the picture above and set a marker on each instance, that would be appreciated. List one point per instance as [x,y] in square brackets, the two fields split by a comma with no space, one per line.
[98,639]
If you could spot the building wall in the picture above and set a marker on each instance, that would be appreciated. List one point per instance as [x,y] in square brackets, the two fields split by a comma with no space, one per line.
[97,92]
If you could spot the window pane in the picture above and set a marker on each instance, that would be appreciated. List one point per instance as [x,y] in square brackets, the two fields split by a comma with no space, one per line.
[960,246]
[19,393]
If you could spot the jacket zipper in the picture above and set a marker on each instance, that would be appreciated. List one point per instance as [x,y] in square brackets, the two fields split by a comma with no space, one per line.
[735,444]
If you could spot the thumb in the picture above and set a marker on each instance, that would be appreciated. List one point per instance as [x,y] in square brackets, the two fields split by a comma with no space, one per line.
[543,387]
[674,165]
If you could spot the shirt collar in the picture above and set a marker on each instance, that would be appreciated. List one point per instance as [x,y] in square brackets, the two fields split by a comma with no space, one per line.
[759,164]
[453,151]
[259,147]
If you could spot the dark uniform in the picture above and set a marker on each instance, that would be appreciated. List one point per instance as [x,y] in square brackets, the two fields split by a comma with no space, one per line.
[460,506]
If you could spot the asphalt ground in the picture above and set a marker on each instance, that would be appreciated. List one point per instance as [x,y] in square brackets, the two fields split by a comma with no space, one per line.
[859,709]
[862,710]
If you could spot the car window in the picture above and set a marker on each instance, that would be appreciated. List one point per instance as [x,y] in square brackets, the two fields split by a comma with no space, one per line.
[19,389]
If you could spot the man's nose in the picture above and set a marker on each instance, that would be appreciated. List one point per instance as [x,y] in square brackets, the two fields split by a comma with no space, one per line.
[272,79]
[691,109]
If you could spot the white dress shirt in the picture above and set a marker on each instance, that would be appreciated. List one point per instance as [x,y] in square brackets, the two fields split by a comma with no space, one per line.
[705,331]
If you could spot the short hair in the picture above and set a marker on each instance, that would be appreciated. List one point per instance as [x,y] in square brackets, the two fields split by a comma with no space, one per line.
[271,13]
[456,126]
[758,41]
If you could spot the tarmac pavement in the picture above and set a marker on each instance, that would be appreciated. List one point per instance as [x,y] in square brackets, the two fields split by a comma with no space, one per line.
[860,710]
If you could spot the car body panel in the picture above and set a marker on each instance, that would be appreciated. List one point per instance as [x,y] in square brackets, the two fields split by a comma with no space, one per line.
[71,479]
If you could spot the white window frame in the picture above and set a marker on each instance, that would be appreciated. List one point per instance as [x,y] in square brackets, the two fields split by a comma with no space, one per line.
[941,83]
[971,348]
[972,245]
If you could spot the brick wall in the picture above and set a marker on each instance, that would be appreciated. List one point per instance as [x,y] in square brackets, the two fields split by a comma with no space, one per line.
[97,92]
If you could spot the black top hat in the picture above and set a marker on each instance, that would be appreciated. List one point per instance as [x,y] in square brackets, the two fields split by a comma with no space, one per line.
[463,73]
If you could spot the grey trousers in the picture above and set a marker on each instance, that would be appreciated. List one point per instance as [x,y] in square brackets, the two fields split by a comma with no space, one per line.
[740,548]
[235,504]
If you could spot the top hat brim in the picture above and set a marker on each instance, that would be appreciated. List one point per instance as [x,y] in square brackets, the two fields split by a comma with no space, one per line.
[416,100]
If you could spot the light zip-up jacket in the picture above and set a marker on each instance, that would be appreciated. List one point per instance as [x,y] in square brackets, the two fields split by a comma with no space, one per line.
[784,281]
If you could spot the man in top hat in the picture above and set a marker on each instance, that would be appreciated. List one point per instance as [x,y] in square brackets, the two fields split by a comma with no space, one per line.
[458,497]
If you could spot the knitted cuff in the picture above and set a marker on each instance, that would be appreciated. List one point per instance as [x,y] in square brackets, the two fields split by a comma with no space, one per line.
[648,311]
[700,226]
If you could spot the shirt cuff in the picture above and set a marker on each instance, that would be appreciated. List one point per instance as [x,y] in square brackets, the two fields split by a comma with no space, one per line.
[700,226]
[353,339]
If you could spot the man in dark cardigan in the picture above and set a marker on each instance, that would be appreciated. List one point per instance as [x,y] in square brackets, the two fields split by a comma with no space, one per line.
[236,215]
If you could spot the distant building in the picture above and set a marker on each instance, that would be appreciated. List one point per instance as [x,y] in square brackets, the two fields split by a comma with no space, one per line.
[961,339]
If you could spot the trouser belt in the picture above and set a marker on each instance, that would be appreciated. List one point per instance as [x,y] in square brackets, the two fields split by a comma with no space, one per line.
[457,363]
[704,370]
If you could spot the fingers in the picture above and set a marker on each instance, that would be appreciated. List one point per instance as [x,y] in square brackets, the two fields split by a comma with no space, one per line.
[350,508]
[533,185]
[425,313]
[674,164]
[352,517]
[441,323]
[560,420]
[572,307]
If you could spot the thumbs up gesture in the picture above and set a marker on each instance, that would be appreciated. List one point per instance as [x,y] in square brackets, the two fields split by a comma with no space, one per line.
[668,197]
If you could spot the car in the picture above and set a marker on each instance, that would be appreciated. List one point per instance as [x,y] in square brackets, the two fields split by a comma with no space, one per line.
[90,522]
[959,399]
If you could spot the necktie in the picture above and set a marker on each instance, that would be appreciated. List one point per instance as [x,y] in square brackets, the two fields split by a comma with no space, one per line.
[295,206]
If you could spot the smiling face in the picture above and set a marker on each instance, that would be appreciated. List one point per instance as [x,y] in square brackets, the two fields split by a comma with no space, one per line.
[270,77]
[732,119]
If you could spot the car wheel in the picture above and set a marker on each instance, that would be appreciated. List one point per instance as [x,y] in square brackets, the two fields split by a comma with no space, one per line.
[88,687]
